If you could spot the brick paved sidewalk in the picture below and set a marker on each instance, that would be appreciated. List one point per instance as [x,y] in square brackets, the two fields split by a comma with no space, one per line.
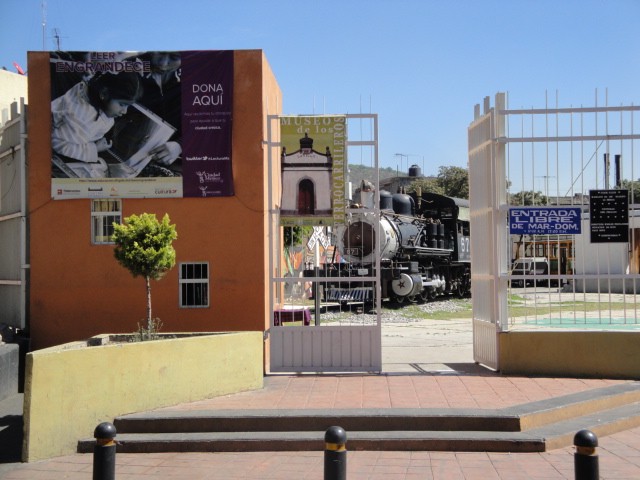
[619,458]
[619,454]
[479,390]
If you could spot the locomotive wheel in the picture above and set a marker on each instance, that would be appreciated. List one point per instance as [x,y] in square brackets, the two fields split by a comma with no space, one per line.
[461,290]
[413,298]
[424,295]
[400,299]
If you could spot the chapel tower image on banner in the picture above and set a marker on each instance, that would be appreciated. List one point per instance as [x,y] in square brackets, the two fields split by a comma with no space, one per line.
[312,164]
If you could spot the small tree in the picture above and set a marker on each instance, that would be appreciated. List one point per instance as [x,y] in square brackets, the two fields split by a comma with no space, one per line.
[144,246]
[528,197]
[451,181]
[294,235]
[454,181]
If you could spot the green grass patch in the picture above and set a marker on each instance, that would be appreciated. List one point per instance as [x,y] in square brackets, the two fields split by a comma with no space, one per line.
[558,307]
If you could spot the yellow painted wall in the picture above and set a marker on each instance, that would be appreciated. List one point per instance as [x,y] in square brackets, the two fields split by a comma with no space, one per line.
[571,354]
[70,390]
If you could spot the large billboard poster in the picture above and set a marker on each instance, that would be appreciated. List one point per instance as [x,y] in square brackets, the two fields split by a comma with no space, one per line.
[141,124]
[314,169]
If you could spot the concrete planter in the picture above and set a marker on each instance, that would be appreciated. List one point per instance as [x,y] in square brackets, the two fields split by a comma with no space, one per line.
[579,354]
[71,388]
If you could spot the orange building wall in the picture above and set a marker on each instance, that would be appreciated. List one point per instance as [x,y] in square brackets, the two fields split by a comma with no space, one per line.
[78,289]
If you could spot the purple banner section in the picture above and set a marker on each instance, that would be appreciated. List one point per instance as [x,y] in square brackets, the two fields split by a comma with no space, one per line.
[207,107]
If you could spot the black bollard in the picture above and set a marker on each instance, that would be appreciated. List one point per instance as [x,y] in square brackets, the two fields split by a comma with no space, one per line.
[335,454]
[585,458]
[104,452]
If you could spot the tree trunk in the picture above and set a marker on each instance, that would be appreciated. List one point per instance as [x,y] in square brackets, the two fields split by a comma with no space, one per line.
[149,321]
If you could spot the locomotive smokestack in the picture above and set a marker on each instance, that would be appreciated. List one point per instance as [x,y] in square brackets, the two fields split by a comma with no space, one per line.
[367,194]
[618,165]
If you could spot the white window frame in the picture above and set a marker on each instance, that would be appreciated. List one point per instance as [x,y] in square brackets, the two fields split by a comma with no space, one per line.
[104,211]
[185,281]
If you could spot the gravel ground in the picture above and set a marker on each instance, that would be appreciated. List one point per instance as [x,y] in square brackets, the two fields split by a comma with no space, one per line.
[410,313]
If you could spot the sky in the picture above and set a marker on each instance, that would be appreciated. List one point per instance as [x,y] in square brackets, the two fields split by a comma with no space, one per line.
[420,65]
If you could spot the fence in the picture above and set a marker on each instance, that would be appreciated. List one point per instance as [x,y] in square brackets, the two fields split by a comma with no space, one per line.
[562,159]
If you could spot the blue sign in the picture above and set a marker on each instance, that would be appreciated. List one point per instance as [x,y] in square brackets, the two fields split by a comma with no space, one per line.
[544,220]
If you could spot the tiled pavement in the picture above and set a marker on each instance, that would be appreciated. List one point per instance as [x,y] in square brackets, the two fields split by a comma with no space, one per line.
[619,454]
[481,389]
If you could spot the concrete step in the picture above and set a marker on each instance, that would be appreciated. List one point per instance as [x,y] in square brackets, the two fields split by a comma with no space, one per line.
[314,441]
[557,409]
[536,440]
[602,423]
[387,419]
[512,419]
[517,418]
[531,427]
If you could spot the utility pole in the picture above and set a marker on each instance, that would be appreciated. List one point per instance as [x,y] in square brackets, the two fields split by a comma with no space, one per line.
[546,185]
[57,36]
[402,155]
[43,6]
[406,156]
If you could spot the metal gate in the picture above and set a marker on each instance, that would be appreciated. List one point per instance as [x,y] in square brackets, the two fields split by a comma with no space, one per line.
[487,192]
[305,336]
[555,159]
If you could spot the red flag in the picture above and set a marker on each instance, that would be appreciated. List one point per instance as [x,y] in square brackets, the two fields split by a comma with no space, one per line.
[18,68]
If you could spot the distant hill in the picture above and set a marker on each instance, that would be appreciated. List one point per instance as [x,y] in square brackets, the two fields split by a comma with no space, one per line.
[359,172]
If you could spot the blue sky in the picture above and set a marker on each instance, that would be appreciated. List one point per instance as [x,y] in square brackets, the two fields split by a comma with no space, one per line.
[421,65]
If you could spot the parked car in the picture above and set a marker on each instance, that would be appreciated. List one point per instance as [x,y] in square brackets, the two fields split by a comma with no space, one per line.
[530,267]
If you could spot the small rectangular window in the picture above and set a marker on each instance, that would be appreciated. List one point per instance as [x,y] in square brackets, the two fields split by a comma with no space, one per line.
[104,212]
[194,285]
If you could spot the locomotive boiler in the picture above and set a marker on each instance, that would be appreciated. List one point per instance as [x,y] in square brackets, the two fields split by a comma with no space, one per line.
[423,248]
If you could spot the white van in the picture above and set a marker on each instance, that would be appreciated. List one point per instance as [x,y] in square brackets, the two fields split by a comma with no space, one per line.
[530,266]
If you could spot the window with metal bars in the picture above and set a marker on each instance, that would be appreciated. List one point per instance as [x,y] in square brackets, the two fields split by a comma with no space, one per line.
[194,285]
[104,212]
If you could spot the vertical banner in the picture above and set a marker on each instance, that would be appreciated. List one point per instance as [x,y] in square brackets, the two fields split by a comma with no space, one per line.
[141,124]
[314,169]
[207,95]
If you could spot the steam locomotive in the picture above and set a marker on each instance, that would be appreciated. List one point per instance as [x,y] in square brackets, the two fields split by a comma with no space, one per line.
[424,250]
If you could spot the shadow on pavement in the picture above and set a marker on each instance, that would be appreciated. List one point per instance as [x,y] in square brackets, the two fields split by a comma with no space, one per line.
[11,438]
